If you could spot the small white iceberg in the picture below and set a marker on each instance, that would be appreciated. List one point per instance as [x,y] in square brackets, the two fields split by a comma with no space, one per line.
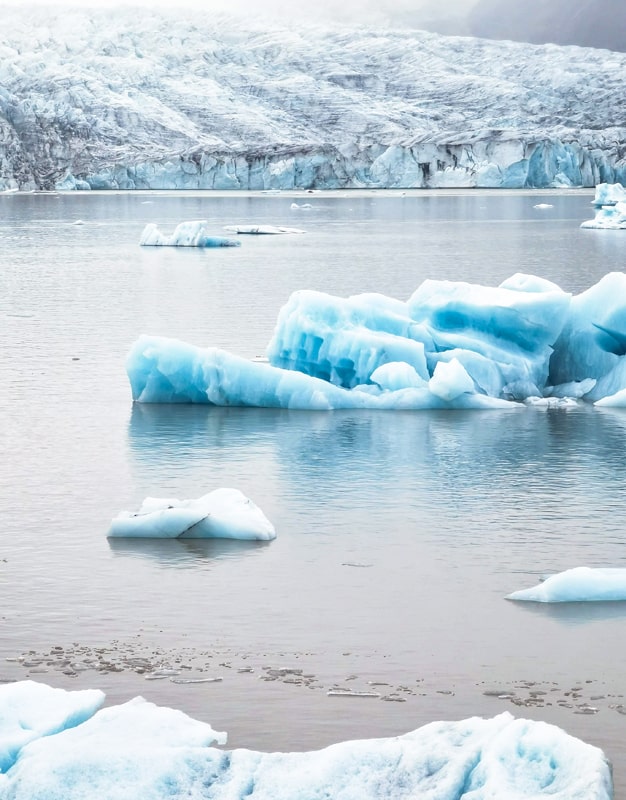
[271,230]
[193,233]
[300,207]
[220,514]
[608,194]
[608,217]
[576,585]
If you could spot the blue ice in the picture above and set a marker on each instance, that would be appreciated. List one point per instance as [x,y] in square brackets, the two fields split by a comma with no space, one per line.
[141,750]
[450,345]
[188,234]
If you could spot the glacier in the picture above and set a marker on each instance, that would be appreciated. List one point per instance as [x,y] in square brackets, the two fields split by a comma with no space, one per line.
[577,585]
[198,100]
[221,514]
[450,345]
[138,749]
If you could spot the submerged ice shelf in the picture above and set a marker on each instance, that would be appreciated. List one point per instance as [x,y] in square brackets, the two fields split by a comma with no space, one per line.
[58,744]
[451,345]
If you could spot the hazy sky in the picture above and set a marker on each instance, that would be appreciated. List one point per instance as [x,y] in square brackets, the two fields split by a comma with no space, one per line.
[341,9]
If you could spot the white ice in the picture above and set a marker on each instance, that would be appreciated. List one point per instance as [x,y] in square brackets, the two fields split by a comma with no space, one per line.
[30,710]
[140,750]
[608,194]
[221,514]
[608,217]
[578,584]
[451,345]
[152,100]
[261,229]
[193,233]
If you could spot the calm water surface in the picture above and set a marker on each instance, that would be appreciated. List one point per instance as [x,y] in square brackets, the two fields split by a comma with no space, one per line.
[399,534]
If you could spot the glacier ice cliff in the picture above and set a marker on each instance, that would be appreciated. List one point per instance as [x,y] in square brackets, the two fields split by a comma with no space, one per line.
[141,750]
[450,345]
[161,100]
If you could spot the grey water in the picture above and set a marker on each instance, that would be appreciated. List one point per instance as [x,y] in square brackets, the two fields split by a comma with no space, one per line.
[398,534]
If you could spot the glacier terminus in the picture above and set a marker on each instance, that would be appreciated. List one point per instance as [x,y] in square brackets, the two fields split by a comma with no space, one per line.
[116,100]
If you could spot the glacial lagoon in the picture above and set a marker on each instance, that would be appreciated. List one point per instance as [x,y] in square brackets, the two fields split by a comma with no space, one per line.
[398,534]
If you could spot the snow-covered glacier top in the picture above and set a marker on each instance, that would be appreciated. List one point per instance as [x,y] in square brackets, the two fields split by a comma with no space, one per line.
[118,99]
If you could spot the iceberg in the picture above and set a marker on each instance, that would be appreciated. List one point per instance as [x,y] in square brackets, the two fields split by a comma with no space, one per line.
[608,194]
[220,514]
[608,217]
[187,234]
[577,585]
[141,750]
[271,230]
[450,345]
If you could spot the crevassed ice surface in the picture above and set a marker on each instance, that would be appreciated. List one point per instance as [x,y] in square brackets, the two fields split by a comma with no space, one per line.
[139,749]
[199,100]
[451,345]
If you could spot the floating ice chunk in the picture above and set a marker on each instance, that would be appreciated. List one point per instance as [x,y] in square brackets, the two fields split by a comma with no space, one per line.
[612,217]
[188,234]
[578,584]
[471,346]
[608,194]
[450,379]
[261,229]
[140,750]
[221,514]
[301,206]
[30,710]
[543,205]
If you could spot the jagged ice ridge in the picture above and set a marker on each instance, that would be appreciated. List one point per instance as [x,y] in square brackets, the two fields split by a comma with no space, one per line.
[160,100]
[450,345]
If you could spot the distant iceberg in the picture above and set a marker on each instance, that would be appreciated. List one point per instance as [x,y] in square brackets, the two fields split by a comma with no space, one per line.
[271,230]
[608,194]
[451,345]
[188,234]
[608,217]
[220,514]
[576,585]
[141,750]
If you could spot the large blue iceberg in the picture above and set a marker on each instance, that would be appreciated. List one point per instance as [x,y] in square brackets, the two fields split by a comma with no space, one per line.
[56,745]
[450,345]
